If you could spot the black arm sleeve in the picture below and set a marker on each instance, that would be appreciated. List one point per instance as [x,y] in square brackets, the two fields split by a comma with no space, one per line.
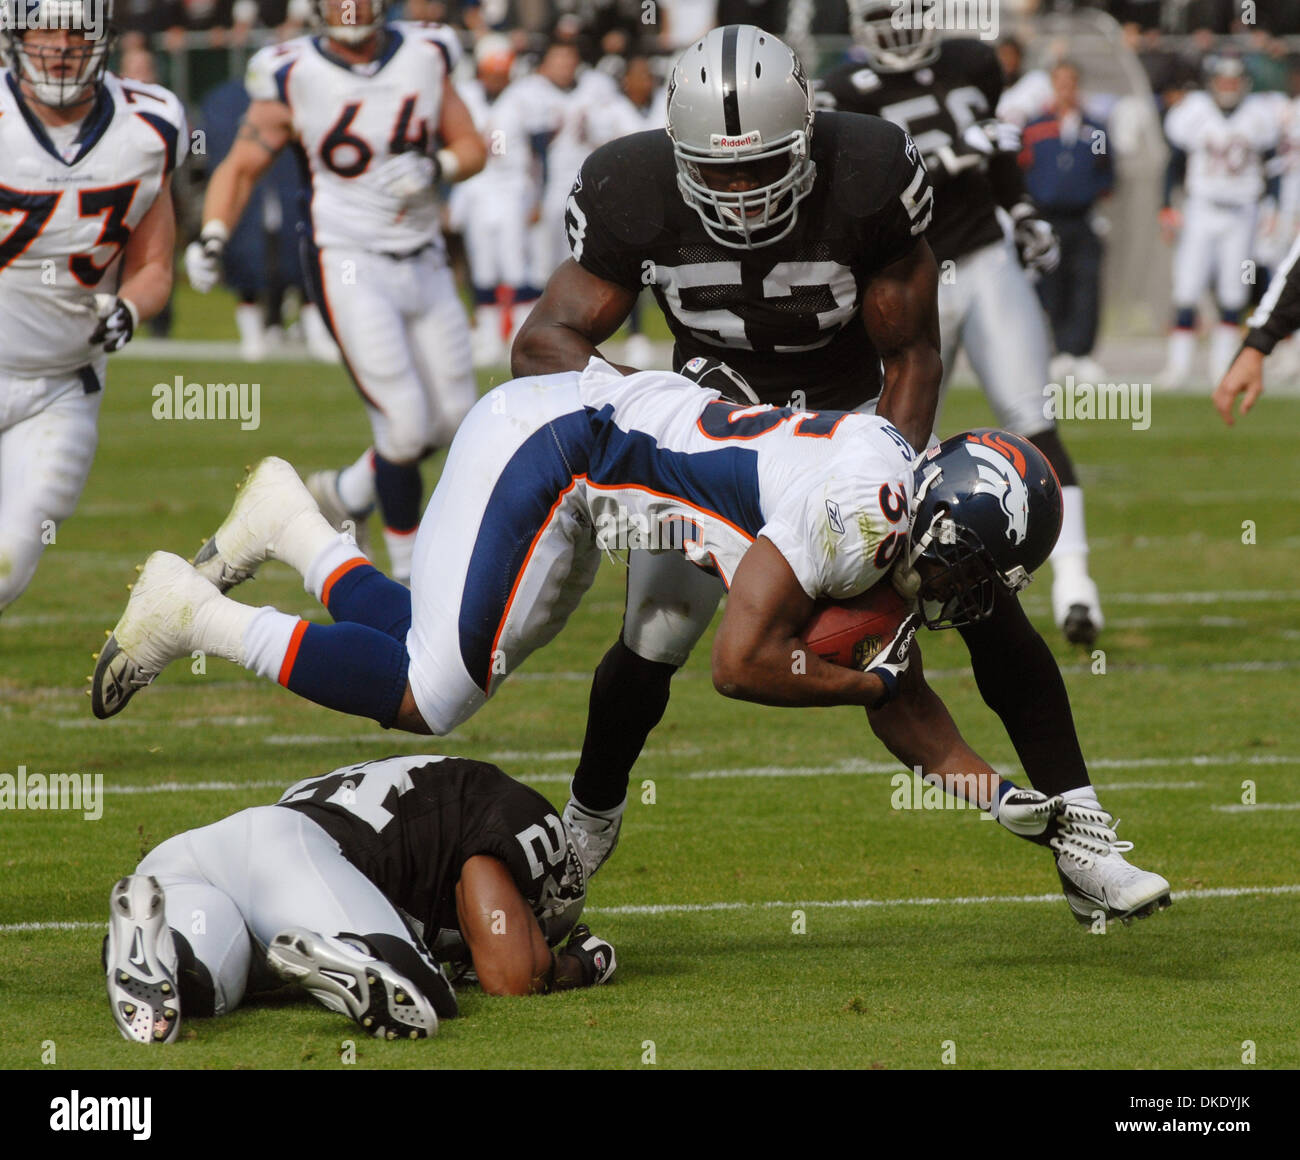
[1020,681]
[1175,173]
[1278,315]
[1008,179]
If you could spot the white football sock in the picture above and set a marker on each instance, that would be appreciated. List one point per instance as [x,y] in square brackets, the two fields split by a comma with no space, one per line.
[1182,349]
[1073,540]
[357,483]
[327,561]
[401,553]
[219,626]
[1083,795]
[266,641]
[1223,348]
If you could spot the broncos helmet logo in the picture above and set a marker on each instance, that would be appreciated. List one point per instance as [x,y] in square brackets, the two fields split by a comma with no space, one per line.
[999,476]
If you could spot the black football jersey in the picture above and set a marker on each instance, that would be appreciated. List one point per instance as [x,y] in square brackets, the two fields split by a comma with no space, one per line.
[936,104]
[787,316]
[409,824]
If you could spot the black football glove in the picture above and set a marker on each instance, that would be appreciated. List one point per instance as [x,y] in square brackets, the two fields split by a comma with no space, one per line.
[714,373]
[891,662]
[118,319]
[594,954]
[1035,240]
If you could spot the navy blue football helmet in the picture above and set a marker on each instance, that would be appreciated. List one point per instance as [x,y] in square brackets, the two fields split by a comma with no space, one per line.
[986,512]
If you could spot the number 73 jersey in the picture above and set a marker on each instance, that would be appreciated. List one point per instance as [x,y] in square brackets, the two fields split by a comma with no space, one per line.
[366,133]
[65,218]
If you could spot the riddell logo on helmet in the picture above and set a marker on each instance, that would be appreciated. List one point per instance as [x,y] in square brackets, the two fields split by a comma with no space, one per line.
[722,141]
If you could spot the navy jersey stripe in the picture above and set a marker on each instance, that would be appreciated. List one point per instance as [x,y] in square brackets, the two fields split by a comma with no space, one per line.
[520,504]
[170,135]
[724,481]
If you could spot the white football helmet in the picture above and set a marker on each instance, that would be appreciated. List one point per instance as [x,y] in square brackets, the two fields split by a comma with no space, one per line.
[59,77]
[889,33]
[347,28]
[1227,80]
[739,97]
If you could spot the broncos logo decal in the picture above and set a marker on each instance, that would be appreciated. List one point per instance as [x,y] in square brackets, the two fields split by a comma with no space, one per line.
[1002,474]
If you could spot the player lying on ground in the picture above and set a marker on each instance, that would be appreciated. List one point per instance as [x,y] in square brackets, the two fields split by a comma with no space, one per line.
[86,236]
[786,507]
[356,885]
[1277,317]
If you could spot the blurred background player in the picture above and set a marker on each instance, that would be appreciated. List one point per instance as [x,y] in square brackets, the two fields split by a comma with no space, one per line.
[1221,138]
[944,94]
[356,885]
[86,252]
[374,112]
[1068,170]
[494,209]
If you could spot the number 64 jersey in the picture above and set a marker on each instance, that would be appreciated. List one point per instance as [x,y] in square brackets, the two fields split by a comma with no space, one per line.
[66,216]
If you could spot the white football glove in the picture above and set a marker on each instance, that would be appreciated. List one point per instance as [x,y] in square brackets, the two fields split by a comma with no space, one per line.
[992,136]
[1035,240]
[891,662]
[1025,812]
[203,257]
[118,319]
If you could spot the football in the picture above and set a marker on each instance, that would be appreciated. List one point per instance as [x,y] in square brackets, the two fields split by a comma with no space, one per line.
[852,632]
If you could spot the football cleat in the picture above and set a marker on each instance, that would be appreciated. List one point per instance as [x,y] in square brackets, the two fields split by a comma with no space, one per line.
[342,974]
[592,836]
[1094,873]
[1076,608]
[156,628]
[269,498]
[324,488]
[140,963]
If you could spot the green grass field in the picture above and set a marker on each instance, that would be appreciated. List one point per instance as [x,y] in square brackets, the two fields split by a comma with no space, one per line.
[920,932]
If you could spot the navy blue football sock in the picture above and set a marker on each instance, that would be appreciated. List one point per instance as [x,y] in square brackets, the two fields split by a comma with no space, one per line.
[348,667]
[364,595]
[399,489]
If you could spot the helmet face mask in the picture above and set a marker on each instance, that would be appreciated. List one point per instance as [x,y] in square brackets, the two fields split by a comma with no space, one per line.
[347,29]
[58,49]
[885,31]
[740,120]
[1228,82]
[987,512]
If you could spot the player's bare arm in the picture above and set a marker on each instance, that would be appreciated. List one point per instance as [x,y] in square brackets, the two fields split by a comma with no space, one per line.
[510,953]
[464,153]
[266,129]
[147,258]
[900,308]
[757,653]
[577,312]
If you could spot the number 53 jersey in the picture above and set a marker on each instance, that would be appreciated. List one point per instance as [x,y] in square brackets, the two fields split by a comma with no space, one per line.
[67,215]
[787,316]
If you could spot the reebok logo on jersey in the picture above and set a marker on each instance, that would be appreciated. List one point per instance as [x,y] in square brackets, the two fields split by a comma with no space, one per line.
[722,141]
[833,514]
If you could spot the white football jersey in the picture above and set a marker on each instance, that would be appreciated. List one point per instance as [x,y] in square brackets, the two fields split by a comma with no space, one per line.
[832,490]
[368,133]
[1225,151]
[621,117]
[503,125]
[65,218]
[563,115]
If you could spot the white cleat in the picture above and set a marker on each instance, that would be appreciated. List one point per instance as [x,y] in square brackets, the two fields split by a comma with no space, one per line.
[1076,608]
[1095,875]
[324,489]
[593,837]
[157,627]
[140,962]
[270,497]
[344,976]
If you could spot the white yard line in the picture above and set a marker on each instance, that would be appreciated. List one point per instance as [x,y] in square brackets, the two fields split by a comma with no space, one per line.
[815,904]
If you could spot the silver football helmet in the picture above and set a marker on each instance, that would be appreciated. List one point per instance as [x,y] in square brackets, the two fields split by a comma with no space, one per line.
[64,75]
[739,98]
[1227,80]
[347,29]
[892,35]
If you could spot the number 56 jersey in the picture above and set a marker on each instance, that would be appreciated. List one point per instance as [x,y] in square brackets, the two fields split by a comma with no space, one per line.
[366,133]
[67,216]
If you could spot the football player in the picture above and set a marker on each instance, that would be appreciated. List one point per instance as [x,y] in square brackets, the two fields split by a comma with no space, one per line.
[356,885]
[782,506]
[1222,138]
[1277,318]
[374,116]
[86,239]
[945,94]
[793,250]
